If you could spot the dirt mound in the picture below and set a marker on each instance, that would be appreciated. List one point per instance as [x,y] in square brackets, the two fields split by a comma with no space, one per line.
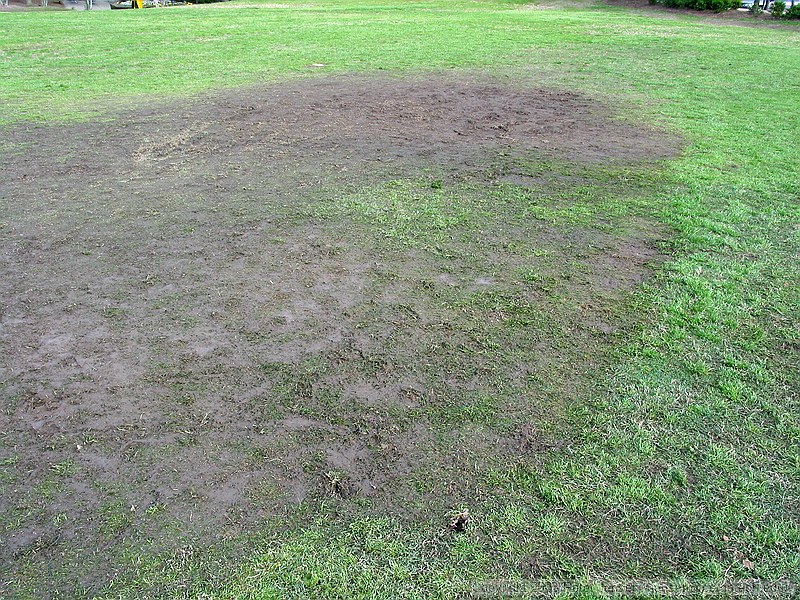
[345,121]
[445,121]
[212,311]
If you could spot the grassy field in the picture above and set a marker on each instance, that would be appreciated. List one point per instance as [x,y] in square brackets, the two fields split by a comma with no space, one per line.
[666,448]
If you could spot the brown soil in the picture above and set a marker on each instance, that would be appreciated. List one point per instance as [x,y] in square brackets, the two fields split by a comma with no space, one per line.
[196,334]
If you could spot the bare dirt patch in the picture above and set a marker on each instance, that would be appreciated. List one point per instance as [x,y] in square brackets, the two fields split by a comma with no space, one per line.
[350,288]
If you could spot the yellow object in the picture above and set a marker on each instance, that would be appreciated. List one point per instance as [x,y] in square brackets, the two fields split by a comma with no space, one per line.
[137,3]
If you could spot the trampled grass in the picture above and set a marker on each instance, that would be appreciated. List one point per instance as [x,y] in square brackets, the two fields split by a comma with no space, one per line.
[681,461]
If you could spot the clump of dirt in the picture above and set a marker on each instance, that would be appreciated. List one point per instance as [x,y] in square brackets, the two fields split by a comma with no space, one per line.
[190,339]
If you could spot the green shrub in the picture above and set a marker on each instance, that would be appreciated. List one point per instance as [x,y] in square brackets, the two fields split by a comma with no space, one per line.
[778,9]
[723,5]
[793,13]
[715,5]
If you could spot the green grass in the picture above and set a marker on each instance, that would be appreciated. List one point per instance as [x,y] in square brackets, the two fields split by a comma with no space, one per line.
[682,460]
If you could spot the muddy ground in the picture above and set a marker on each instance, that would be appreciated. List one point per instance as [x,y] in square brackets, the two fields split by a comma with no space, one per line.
[363,290]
